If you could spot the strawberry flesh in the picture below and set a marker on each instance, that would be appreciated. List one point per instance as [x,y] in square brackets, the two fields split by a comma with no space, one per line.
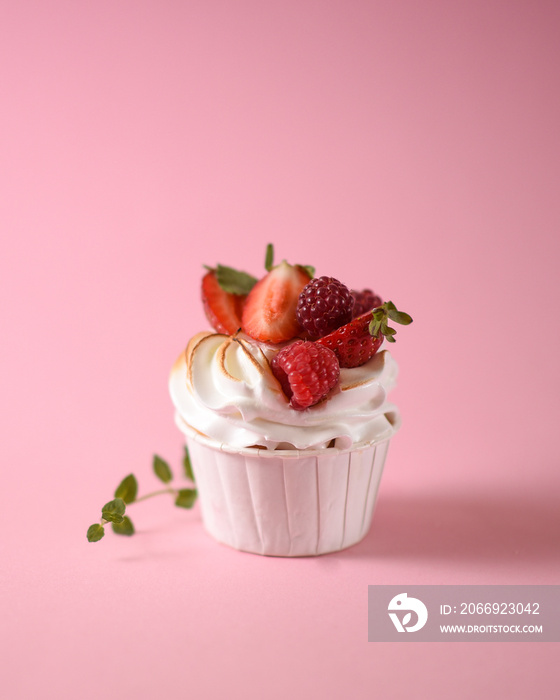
[223,309]
[269,312]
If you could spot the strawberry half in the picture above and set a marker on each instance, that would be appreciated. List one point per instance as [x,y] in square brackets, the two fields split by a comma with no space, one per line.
[269,313]
[353,344]
[358,341]
[223,309]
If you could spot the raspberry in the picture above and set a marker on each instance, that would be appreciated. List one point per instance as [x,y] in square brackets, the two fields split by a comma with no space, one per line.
[364,301]
[306,372]
[324,305]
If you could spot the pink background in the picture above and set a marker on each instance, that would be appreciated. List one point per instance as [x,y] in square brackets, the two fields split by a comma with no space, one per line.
[409,146]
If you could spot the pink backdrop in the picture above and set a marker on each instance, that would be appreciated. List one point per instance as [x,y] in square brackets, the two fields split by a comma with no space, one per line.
[413,147]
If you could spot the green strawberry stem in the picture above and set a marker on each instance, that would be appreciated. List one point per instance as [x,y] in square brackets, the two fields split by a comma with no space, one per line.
[269,258]
[380,316]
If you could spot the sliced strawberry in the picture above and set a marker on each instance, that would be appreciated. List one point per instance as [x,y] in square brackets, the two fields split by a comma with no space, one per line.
[222,308]
[358,341]
[269,313]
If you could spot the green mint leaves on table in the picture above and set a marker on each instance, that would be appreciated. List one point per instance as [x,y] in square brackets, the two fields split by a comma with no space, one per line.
[127,492]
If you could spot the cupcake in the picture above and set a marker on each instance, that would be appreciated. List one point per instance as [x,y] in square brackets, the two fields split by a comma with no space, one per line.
[284,409]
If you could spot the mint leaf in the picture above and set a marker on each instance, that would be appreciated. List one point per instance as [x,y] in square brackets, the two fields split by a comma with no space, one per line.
[234,281]
[269,257]
[187,465]
[127,489]
[124,528]
[186,498]
[113,511]
[162,470]
[95,532]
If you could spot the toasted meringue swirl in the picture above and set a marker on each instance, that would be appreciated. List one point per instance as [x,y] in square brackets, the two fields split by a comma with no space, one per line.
[223,387]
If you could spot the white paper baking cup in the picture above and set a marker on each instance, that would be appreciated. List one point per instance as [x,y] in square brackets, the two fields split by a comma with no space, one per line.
[286,503]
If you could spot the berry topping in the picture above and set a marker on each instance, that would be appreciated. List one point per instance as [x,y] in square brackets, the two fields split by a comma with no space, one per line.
[223,309]
[324,305]
[306,371]
[353,344]
[269,313]
[358,341]
[364,301]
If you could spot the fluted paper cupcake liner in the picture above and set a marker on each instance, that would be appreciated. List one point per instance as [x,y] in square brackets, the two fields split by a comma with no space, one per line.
[286,503]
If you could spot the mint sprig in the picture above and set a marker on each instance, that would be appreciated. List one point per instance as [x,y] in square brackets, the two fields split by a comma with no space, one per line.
[127,489]
[162,470]
[113,511]
[124,528]
[127,492]
[185,498]
[187,466]
[380,317]
[95,532]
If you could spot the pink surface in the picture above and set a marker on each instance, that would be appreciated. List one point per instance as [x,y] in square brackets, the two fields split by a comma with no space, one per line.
[413,147]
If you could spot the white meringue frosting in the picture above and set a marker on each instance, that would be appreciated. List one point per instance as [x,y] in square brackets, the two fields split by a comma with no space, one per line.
[223,388]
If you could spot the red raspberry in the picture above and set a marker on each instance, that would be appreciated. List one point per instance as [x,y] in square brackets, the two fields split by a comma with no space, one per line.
[364,301]
[306,372]
[324,305]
